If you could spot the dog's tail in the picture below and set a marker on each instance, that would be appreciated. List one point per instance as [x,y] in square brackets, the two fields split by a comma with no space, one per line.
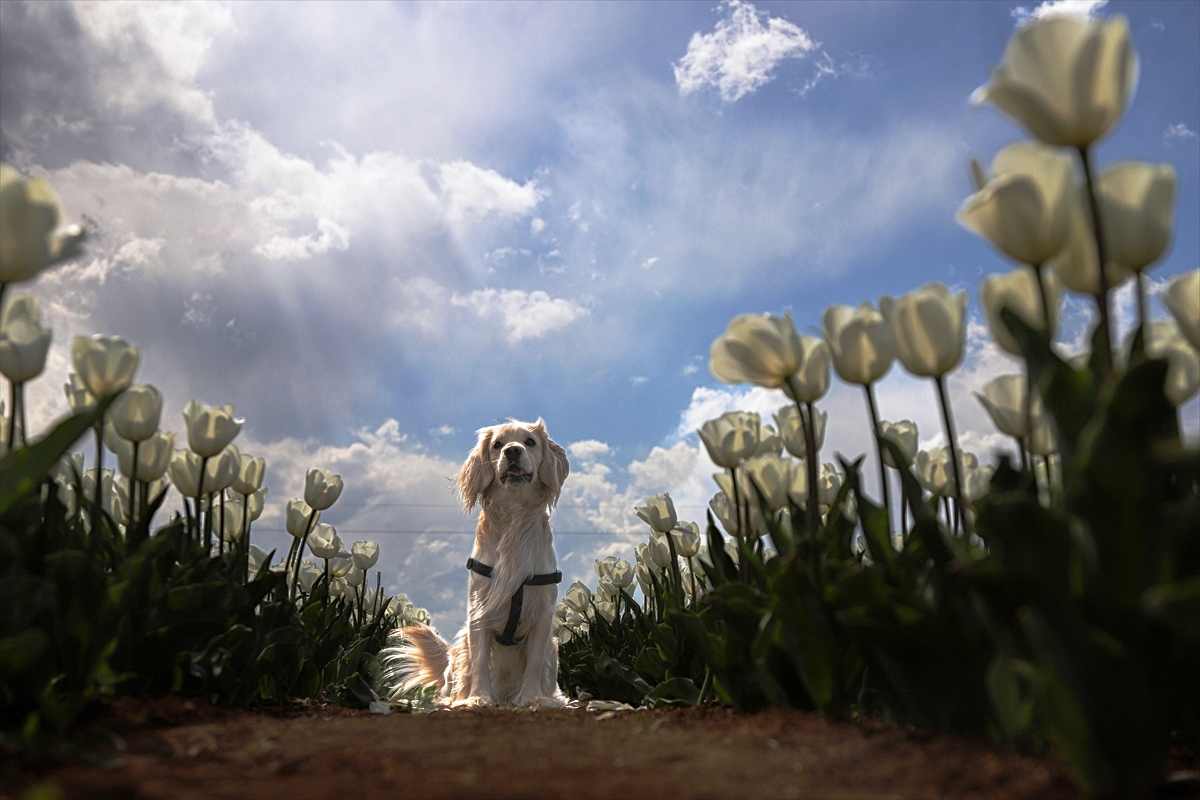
[415,657]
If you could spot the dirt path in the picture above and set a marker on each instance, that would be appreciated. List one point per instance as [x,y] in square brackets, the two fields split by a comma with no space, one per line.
[179,749]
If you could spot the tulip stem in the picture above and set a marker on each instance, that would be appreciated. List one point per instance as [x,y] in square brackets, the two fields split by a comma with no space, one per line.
[19,402]
[99,485]
[1139,278]
[1085,156]
[300,554]
[200,494]
[245,550]
[810,449]
[1047,317]
[883,483]
[12,419]
[948,419]
[737,516]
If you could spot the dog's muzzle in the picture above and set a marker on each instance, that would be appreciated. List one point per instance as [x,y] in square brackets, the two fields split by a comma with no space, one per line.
[516,474]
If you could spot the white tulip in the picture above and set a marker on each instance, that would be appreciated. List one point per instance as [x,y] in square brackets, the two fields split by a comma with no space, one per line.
[1163,340]
[323,542]
[578,596]
[904,434]
[365,554]
[1065,79]
[298,513]
[860,342]
[731,437]
[322,488]
[1018,292]
[184,471]
[250,474]
[1137,206]
[24,344]
[1004,399]
[686,537]
[210,428]
[1182,299]
[658,513]
[1076,264]
[929,326]
[772,478]
[1024,211]
[221,470]
[791,429]
[78,396]
[154,456]
[762,349]
[106,364]
[136,412]
[30,240]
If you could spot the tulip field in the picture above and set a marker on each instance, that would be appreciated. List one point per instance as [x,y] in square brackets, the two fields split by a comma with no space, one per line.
[1048,600]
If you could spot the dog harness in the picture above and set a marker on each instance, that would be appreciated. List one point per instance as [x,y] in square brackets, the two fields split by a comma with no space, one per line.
[518,598]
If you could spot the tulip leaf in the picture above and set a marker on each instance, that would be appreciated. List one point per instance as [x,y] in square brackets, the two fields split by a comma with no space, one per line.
[22,470]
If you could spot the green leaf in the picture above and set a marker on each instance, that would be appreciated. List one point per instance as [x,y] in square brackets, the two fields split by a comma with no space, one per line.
[23,470]
[678,691]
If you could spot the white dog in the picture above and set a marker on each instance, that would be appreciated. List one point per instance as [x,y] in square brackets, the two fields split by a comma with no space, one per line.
[506,653]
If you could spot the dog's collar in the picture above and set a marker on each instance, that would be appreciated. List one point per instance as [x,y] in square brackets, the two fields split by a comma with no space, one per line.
[518,598]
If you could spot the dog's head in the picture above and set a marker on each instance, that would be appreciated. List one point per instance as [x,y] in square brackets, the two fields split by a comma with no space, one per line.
[516,457]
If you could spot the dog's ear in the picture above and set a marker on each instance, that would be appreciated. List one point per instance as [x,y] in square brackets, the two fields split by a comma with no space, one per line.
[554,467]
[476,473]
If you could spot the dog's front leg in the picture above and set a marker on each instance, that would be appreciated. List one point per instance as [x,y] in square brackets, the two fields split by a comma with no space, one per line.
[476,684]
[539,684]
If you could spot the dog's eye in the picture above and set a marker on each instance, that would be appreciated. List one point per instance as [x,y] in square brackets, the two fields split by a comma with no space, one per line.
[497,445]
[530,442]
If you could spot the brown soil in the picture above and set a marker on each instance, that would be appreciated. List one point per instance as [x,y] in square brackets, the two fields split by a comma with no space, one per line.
[173,748]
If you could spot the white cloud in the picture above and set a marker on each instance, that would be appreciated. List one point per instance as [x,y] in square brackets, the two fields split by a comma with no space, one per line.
[1179,131]
[471,191]
[525,315]
[741,53]
[588,449]
[1050,8]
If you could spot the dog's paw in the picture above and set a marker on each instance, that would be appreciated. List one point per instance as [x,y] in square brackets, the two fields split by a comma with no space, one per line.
[541,701]
[475,701]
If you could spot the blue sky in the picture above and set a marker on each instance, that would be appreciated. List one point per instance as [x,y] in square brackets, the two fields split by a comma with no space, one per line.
[375,228]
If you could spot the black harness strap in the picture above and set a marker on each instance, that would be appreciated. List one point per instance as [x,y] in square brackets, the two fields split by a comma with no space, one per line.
[518,598]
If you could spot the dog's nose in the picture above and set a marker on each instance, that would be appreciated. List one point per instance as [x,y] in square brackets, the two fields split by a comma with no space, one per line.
[512,452]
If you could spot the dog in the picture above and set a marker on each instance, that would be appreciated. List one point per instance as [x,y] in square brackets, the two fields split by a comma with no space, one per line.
[506,653]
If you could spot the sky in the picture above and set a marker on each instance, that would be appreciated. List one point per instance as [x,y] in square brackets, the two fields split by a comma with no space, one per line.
[378,227]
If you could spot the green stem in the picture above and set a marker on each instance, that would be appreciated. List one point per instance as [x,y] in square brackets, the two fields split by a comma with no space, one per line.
[810,458]
[133,495]
[883,482]
[1047,317]
[95,542]
[12,417]
[300,554]
[952,438]
[737,515]
[221,527]
[200,494]
[1101,261]
[1139,283]
[19,402]
[245,537]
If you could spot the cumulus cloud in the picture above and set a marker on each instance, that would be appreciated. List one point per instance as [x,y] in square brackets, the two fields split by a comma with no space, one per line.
[525,315]
[741,53]
[1178,132]
[1051,8]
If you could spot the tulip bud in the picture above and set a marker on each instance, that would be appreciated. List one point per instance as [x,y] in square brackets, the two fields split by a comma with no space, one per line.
[256,559]
[731,437]
[250,474]
[365,554]
[230,529]
[723,510]
[106,364]
[658,513]
[621,574]
[322,488]
[645,576]
[1065,79]
[184,471]
[762,349]
[660,552]
[1182,299]
[791,429]
[340,566]
[1018,292]
[1024,211]
[323,542]
[210,428]
[904,434]
[1137,205]
[1076,264]
[929,328]
[769,443]
[860,342]
[354,576]
[29,218]
[310,573]
[298,513]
